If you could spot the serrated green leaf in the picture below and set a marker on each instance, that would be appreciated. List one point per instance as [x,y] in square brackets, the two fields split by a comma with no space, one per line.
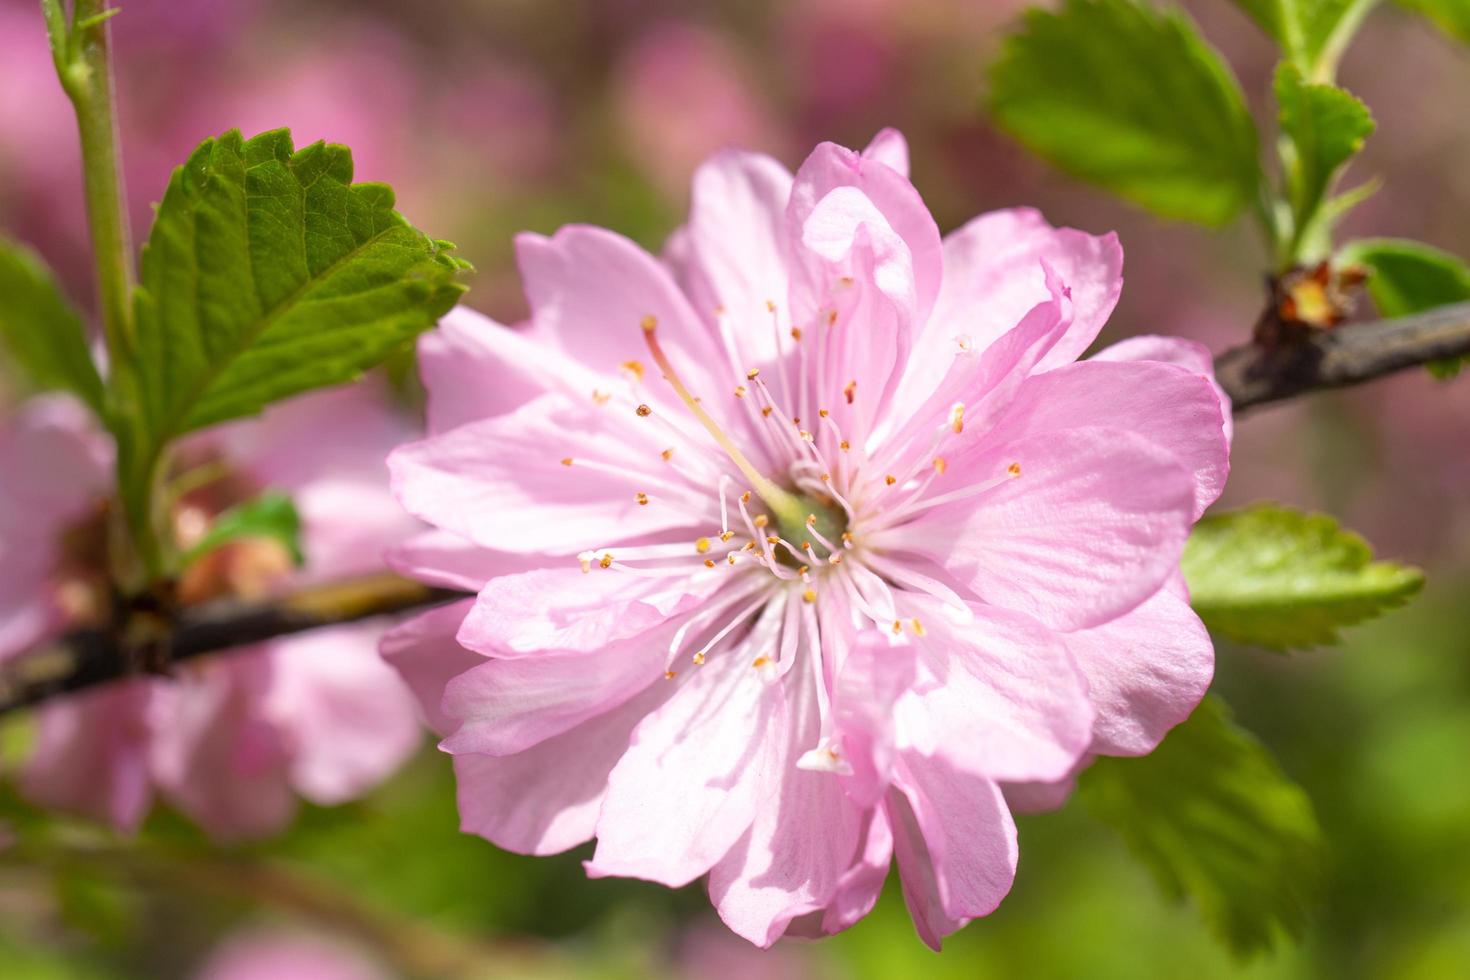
[40,331]
[1451,16]
[1312,33]
[1216,820]
[1282,579]
[1323,127]
[269,273]
[1132,99]
[272,516]
[1407,277]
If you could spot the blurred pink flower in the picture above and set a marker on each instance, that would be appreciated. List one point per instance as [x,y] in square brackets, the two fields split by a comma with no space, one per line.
[682,92]
[954,563]
[264,955]
[230,739]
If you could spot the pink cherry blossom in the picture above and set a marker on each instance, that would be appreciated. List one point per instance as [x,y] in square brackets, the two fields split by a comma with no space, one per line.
[230,740]
[797,548]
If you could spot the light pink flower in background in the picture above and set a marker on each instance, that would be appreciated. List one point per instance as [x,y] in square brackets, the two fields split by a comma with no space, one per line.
[230,740]
[829,536]
[270,955]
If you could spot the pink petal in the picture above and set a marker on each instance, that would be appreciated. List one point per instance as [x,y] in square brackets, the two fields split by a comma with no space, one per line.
[736,246]
[992,276]
[427,656]
[997,696]
[351,721]
[452,562]
[502,484]
[793,857]
[872,678]
[1093,524]
[890,149]
[1188,354]
[547,799]
[458,360]
[695,775]
[566,609]
[1175,409]
[216,756]
[91,755]
[1146,670]
[956,846]
[858,889]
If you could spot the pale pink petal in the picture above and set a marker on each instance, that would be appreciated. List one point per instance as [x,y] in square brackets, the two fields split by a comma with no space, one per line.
[546,799]
[452,562]
[694,776]
[91,755]
[956,846]
[1043,797]
[872,678]
[890,149]
[1146,670]
[350,720]
[567,609]
[474,368]
[1188,354]
[1092,524]
[992,276]
[427,656]
[1175,409]
[997,696]
[590,291]
[793,857]
[501,482]
[858,890]
[735,247]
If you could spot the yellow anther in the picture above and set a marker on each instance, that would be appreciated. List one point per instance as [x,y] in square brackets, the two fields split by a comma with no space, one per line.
[849,390]
[752,374]
[745,497]
[670,674]
[796,334]
[807,436]
[890,479]
[826,477]
[832,318]
[702,545]
[770,306]
[940,465]
[600,397]
[606,561]
[760,661]
[918,627]
[643,411]
[566,461]
[847,538]
[761,520]
[649,323]
[726,535]
[772,539]
[709,563]
[1014,469]
[811,520]
[809,596]
[642,499]
[635,368]
[835,558]
[667,454]
[844,445]
[699,658]
[823,412]
[897,627]
[957,418]
[766,412]
[740,391]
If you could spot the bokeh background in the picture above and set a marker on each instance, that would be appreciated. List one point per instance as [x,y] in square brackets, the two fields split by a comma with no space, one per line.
[492,116]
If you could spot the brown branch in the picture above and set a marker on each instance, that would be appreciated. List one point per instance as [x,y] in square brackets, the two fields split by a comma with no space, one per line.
[1252,375]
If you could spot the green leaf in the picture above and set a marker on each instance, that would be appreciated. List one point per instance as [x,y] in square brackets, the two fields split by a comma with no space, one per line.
[1132,99]
[1324,127]
[1451,16]
[1407,277]
[1216,820]
[1312,33]
[272,516]
[269,273]
[1283,579]
[40,331]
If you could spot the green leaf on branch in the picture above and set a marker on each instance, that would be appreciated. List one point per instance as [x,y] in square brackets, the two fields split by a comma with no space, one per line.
[1324,127]
[1282,579]
[269,273]
[1133,99]
[1312,33]
[271,516]
[1451,16]
[40,332]
[1407,277]
[1216,820]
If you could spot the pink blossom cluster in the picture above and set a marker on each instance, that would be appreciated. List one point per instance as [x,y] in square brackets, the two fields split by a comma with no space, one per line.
[807,546]
[229,740]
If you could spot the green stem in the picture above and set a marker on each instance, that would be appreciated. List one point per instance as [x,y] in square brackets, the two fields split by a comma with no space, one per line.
[80,50]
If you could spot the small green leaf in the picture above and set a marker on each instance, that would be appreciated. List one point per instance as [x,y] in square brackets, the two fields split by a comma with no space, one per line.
[1120,94]
[1283,579]
[1451,16]
[271,516]
[1216,820]
[269,273]
[40,331]
[1312,33]
[1408,277]
[1324,127]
